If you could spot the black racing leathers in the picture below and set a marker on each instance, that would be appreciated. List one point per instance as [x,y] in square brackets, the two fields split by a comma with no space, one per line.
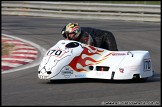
[98,38]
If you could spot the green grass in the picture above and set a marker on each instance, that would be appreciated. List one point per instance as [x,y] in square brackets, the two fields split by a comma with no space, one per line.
[6,48]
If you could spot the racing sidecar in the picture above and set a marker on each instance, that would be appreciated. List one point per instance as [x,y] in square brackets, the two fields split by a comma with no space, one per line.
[70,60]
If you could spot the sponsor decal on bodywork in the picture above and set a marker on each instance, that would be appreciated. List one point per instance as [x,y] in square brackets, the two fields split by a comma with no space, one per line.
[80,75]
[67,71]
[121,70]
[118,54]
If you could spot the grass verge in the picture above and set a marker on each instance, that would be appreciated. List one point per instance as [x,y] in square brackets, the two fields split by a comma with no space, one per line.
[6,48]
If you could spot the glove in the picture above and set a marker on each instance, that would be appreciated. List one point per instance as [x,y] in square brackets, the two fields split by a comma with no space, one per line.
[63,32]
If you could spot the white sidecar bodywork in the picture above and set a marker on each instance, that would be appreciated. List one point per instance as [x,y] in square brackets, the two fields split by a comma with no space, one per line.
[70,59]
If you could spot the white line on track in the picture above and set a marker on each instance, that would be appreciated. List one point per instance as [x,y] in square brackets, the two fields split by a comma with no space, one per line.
[31,51]
[10,65]
[25,55]
[28,47]
[22,59]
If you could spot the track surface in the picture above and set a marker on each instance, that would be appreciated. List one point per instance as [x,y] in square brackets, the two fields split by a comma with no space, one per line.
[24,87]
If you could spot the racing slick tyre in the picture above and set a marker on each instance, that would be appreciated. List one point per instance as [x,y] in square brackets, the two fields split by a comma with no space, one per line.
[136,78]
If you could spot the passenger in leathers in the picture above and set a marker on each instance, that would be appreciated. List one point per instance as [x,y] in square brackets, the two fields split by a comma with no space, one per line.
[91,36]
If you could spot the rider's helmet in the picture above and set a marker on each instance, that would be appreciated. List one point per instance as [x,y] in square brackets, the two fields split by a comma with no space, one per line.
[72,31]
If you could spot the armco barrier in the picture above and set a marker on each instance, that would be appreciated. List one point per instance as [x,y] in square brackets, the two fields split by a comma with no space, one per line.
[83,10]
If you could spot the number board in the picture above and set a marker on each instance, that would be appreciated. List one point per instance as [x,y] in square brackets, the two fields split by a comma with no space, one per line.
[55,52]
[147,65]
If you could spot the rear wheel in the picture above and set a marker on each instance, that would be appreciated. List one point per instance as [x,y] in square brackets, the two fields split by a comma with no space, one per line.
[136,78]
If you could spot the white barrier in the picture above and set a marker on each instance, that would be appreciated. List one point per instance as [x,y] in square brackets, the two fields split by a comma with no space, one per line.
[83,10]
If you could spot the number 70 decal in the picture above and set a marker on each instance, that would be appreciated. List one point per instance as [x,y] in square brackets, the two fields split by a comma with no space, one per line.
[147,65]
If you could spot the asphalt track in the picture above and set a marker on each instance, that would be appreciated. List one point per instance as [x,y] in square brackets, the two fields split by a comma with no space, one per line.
[24,87]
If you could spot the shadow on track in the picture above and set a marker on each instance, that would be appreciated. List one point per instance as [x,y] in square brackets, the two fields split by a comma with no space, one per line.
[89,80]
[154,78]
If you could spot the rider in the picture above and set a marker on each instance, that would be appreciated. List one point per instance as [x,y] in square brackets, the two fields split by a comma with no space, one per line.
[90,36]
